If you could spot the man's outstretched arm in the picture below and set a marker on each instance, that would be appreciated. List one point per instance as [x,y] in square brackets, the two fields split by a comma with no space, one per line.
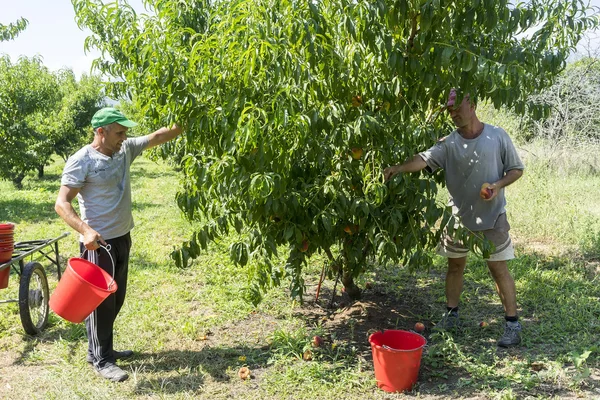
[415,164]
[163,135]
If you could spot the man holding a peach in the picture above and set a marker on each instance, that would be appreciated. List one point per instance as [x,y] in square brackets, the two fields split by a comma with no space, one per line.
[472,156]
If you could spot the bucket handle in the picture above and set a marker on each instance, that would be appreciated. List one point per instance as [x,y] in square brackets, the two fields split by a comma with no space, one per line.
[424,347]
[107,249]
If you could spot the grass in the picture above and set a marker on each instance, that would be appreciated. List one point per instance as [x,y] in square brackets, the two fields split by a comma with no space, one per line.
[191,329]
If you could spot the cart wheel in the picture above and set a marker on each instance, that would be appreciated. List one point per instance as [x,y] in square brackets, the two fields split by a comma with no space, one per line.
[33,298]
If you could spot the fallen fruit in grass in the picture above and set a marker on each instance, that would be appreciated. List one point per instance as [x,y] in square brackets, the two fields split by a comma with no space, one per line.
[304,247]
[483,324]
[317,341]
[537,366]
[485,192]
[307,356]
[357,153]
[244,373]
[419,327]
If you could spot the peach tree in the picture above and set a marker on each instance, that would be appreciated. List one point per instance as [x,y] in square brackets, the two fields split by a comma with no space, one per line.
[12,30]
[293,109]
[28,91]
[42,113]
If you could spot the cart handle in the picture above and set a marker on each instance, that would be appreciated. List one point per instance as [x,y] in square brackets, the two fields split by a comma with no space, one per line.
[107,249]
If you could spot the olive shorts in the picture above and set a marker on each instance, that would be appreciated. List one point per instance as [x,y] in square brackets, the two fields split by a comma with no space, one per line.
[498,235]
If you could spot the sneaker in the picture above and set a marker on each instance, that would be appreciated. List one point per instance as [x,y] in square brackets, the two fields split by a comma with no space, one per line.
[511,336]
[113,373]
[118,355]
[449,321]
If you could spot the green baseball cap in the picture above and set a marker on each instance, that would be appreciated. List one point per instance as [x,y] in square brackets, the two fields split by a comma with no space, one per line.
[108,115]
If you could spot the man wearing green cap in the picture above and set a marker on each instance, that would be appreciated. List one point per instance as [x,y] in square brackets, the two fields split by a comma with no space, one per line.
[98,175]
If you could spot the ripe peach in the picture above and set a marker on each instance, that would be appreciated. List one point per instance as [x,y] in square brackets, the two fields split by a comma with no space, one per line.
[485,192]
[419,327]
[356,101]
[317,341]
[483,324]
[244,373]
[357,153]
[307,356]
[304,247]
[348,230]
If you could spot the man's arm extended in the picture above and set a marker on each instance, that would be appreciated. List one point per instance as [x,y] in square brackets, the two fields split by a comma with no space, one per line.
[163,135]
[415,164]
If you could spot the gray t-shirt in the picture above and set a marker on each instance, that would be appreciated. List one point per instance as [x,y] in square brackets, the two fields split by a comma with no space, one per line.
[105,190]
[469,163]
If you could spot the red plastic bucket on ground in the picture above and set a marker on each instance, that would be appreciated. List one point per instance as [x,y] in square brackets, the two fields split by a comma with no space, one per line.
[81,289]
[396,358]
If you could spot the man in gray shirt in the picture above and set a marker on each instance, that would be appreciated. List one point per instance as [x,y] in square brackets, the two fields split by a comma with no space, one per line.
[480,160]
[98,175]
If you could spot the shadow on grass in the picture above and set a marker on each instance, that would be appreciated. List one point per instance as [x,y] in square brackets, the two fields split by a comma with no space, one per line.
[142,173]
[73,334]
[47,183]
[558,308]
[139,206]
[185,370]
[18,211]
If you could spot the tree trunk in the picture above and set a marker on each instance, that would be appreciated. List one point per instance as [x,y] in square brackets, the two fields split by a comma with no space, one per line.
[18,181]
[40,171]
[350,287]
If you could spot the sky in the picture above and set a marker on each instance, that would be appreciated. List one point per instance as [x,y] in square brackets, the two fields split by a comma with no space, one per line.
[53,34]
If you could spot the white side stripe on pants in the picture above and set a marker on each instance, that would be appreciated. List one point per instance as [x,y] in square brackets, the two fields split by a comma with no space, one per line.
[96,351]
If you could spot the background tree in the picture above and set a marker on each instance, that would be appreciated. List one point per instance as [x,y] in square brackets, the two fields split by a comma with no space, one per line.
[293,109]
[68,128]
[27,91]
[574,101]
[41,114]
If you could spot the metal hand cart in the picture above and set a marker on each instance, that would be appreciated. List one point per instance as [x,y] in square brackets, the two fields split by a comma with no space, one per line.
[33,283]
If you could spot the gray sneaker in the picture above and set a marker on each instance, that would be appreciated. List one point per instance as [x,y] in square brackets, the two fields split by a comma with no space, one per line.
[511,336]
[449,321]
[113,373]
